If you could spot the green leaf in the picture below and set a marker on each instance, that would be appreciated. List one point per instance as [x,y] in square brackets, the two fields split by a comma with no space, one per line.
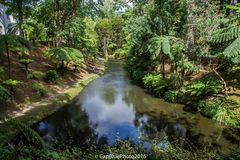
[4,94]
[232,52]
[11,82]
[25,61]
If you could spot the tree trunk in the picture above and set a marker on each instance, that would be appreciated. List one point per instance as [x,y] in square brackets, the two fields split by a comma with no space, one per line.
[75,68]
[224,82]
[58,23]
[20,16]
[11,89]
[70,38]
[62,68]
[190,31]
[34,42]
[183,73]
[58,40]
[105,46]
[9,61]
[163,66]
[1,57]
[48,43]
[26,68]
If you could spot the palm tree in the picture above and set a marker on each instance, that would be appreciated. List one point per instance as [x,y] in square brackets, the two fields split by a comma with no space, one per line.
[10,40]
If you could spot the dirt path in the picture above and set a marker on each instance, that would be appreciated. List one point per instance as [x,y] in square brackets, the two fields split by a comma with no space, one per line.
[44,102]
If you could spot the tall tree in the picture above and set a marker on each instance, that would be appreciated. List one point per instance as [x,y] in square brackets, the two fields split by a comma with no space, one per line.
[190,29]
[20,8]
[8,40]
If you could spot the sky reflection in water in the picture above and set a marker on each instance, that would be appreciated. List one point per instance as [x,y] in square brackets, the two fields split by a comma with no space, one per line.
[112,108]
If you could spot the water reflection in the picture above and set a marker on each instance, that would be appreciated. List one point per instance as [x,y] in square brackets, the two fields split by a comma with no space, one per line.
[111,108]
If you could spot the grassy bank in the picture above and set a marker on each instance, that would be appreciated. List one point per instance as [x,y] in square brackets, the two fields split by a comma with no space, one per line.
[45,108]
[203,92]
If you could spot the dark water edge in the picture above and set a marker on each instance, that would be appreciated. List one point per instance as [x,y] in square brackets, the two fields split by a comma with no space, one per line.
[112,108]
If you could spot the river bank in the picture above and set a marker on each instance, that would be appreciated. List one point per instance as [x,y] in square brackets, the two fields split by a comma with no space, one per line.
[39,110]
[202,91]
[112,108]
[34,97]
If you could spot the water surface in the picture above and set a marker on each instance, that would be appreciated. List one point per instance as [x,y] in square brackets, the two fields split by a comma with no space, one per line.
[112,108]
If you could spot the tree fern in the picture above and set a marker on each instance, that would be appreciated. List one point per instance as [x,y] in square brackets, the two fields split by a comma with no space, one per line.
[159,45]
[226,34]
[166,47]
[232,52]
[65,54]
[4,94]
[31,136]
[75,55]
[234,7]
[230,33]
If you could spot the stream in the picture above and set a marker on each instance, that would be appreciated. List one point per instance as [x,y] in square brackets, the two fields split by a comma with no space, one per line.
[112,108]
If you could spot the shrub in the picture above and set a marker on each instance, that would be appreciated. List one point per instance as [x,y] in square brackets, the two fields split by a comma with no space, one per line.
[201,89]
[51,76]
[171,152]
[163,86]
[32,137]
[35,75]
[210,108]
[172,95]
[157,84]
[134,68]
[150,81]
[222,110]
[120,53]
[2,70]
[4,94]
[138,74]
[11,83]
[40,90]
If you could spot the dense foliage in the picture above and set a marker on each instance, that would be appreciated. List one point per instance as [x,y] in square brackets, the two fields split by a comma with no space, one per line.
[51,76]
[175,52]
[31,147]
[4,94]
[184,51]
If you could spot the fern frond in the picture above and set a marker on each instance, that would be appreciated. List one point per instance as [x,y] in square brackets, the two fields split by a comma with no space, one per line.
[226,34]
[4,94]
[234,19]
[166,47]
[158,45]
[31,135]
[66,54]
[232,52]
